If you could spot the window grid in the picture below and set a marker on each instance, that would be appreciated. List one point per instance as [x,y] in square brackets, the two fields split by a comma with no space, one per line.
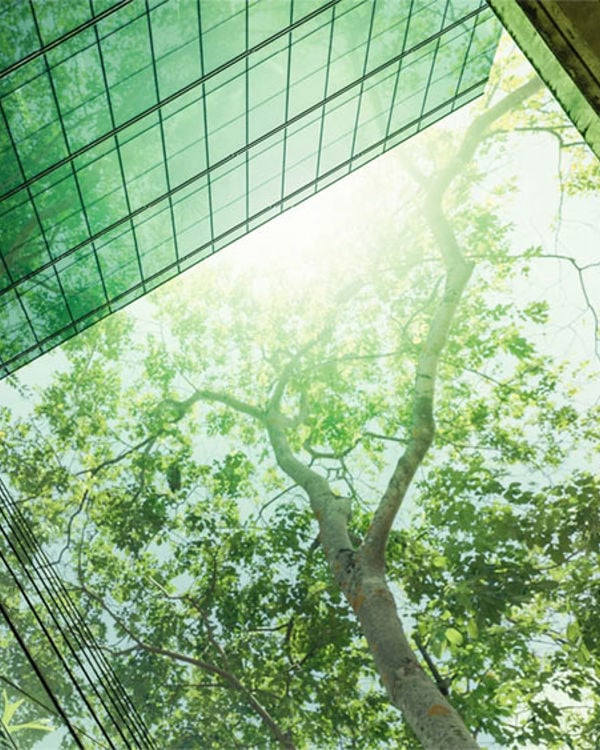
[68,302]
[157,196]
[43,49]
[326,89]
[106,248]
[364,71]
[21,306]
[433,61]
[223,161]
[205,124]
[195,84]
[165,160]
[247,112]
[468,52]
[397,79]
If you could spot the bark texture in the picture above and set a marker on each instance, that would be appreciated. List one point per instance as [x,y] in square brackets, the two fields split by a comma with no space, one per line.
[360,573]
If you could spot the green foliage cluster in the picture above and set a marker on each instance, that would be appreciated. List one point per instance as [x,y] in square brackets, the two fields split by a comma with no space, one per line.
[143,471]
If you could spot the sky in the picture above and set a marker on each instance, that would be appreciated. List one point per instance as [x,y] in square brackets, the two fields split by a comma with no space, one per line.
[321,219]
[350,204]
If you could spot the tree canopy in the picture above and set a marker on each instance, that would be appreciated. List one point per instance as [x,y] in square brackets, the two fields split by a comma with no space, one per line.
[277,532]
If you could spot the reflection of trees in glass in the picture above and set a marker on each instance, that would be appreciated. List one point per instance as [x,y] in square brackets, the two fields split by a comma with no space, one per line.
[144,150]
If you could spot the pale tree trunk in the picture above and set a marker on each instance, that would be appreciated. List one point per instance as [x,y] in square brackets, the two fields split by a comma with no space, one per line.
[360,573]
[434,721]
[437,725]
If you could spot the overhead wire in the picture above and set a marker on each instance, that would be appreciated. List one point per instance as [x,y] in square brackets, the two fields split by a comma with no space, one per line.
[75,633]
[49,709]
[39,673]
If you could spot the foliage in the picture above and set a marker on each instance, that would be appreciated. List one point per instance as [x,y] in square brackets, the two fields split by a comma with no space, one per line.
[145,468]
[13,726]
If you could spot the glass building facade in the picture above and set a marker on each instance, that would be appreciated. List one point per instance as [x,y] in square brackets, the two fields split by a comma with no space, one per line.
[139,137]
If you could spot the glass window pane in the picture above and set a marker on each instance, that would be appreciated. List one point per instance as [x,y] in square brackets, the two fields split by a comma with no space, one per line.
[304,8]
[223,33]
[54,24]
[266,19]
[102,190]
[184,138]
[176,45]
[338,131]
[410,93]
[10,174]
[82,97]
[34,124]
[81,281]
[375,105]
[119,264]
[349,45]
[425,21]
[128,63]
[267,95]
[302,144]
[45,305]
[144,167]
[18,37]
[155,240]
[310,45]
[23,247]
[226,116]
[17,334]
[228,190]
[480,55]
[265,168]
[59,209]
[192,217]
[389,32]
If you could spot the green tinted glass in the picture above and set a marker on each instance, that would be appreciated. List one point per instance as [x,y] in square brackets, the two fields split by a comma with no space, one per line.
[138,138]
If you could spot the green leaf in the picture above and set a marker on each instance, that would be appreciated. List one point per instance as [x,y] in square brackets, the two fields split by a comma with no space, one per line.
[453,636]
[573,631]
[472,629]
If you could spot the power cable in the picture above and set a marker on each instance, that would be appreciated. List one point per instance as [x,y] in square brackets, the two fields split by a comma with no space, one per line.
[77,636]
[40,674]
[47,708]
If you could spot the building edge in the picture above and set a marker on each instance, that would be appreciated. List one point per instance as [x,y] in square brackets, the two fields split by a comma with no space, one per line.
[551,37]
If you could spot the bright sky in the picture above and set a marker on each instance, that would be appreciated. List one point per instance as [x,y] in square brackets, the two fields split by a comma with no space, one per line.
[300,233]
[352,203]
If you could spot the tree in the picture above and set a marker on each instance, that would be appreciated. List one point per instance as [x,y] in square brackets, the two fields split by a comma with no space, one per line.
[176,471]
[14,727]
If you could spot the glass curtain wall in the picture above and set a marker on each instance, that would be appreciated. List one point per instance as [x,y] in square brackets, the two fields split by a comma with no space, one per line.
[139,137]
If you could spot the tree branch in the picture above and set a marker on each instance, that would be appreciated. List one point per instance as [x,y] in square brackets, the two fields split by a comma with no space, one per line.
[476,131]
[331,511]
[442,683]
[292,366]
[422,424]
[282,737]
[458,271]
[146,442]
[232,402]
[592,310]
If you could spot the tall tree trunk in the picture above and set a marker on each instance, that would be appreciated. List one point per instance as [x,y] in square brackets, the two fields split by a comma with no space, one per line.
[362,580]
[435,722]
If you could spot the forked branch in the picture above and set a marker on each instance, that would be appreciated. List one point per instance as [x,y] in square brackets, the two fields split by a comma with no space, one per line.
[422,424]
[227,676]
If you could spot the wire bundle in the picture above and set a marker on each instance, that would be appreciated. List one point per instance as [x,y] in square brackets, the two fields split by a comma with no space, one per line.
[70,638]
